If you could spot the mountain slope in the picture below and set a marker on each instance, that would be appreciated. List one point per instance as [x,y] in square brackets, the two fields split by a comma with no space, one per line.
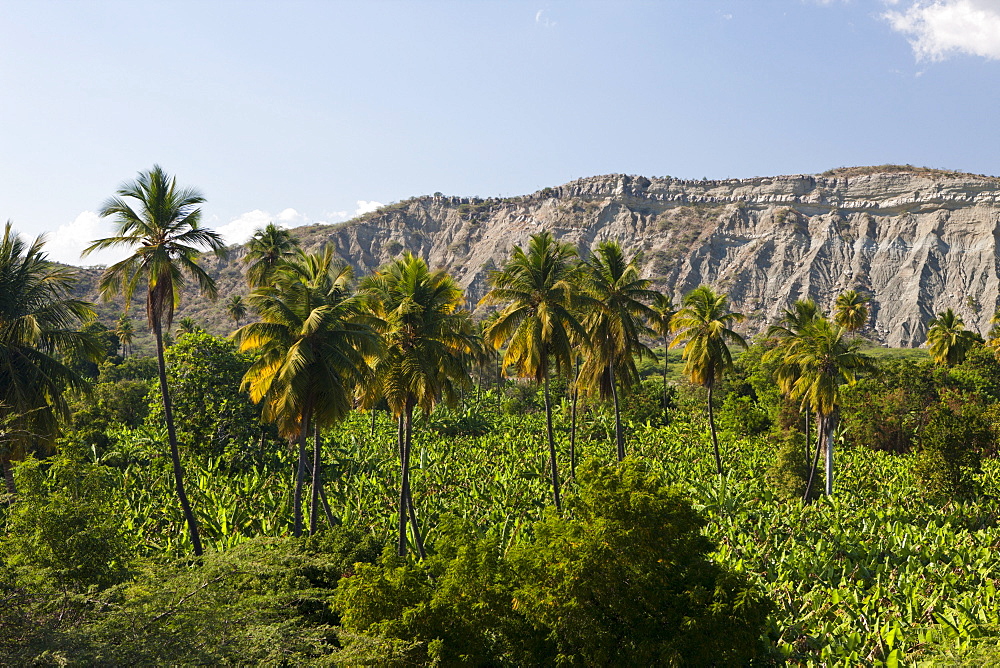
[919,240]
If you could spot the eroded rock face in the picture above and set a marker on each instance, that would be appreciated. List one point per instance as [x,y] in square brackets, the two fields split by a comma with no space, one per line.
[918,241]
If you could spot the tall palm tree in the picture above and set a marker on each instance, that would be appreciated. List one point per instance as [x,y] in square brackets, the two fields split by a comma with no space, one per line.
[312,341]
[704,327]
[125,332]
[539,292]
[792,323]
[794,320]
[823,359]
[614,319]
[430,345]
[267,248]
[663,313]
[851,310]
[236,308]
[39,322]
[947,338]
[162,223]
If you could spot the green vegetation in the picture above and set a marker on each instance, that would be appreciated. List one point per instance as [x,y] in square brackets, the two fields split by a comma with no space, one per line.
[841,172]
[451,535]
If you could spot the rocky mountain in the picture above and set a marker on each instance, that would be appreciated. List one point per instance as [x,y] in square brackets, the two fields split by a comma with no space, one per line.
[919,240]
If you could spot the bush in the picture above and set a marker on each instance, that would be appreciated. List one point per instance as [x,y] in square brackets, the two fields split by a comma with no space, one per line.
[264,602]
[644,403]
[947,464]
[447,422]
[452,609]
[788,474]
[64,529]
[625,579]
[212,415]
[743,416]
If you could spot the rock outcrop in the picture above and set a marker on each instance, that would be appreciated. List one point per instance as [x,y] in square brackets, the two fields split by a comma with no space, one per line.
[918,240]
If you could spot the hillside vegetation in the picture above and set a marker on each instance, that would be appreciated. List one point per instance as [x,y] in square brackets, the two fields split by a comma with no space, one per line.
[364,473]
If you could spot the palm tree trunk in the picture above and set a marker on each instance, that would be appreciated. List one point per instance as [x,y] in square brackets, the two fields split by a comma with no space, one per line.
[403,499]
[406,511]
[572,426]
[8,476]
[831,424]
[664,400]
[619,436]
[175,457]
[572,433]
[552,449]
[807,434]
[326,504]
[815,464]
[300,478]
[417,538]
[317,467]
[482,377]
[373,423]
[711,426]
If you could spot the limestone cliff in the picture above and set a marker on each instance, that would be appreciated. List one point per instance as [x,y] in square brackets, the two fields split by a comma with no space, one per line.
[918,240]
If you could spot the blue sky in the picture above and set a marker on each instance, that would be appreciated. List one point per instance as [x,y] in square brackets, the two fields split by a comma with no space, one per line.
[304,112]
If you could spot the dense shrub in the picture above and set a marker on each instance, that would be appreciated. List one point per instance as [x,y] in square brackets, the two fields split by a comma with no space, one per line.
[265,602]
[453,609]
[211,413]
[624,579]
[64,529]
[742,415]
[788,474]
[947,464]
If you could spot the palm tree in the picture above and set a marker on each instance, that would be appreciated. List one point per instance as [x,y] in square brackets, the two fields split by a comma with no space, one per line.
[188,325]
[851,310]
[236,308]
[663,313]
[614,319]
[311,341]
[792,323]
[794,320]
[538,290]
[948,340]
[430,345]
[125,333]
[162,223]
[993,336]
[823,359]
[38,323]
[269,247]
[703,326]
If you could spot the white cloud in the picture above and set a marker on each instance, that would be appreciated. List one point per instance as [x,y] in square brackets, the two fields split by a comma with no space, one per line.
[542,19]
[367,207]
[240,229]
[68,241]
[290,217]
[940,28]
